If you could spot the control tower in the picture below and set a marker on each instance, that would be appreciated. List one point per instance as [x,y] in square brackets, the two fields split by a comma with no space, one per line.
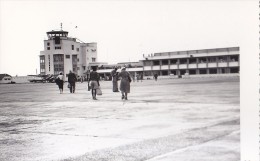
[63,53]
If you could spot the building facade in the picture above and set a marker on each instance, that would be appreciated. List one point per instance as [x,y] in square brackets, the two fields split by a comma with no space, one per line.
[193,62]
[62,54]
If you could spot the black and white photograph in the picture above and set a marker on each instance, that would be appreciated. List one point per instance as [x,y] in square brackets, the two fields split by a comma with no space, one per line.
[129,80]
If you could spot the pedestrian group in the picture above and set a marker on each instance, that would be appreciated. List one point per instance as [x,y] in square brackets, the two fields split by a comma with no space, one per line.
[93,82]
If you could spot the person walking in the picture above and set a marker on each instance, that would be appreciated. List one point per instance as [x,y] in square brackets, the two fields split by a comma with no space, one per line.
[141,77]
[133,77]
[94,84]
[155,76]
[72,81]
[60,81]
[114,75]
[125,82]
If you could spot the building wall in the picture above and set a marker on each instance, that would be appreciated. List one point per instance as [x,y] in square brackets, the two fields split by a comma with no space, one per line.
[91,53]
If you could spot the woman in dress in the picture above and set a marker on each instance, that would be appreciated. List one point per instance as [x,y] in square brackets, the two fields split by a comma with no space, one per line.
[60,82]
[114,75]
[125,82]
[94,84]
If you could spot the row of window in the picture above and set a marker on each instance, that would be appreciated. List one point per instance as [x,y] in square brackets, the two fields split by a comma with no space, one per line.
[58,69]
[59,47]
[72,47]
[92,50]
[49,59]
[195,71]
[7,78]
[193,60]
[60,58]
[195,52]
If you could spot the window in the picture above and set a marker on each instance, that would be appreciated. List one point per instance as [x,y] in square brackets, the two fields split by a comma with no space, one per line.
[182,72]
[57,47]
[58,58]
[233,58]
[173,72]
[213,71]
[234,70]
[42,59]
[202,60]
[67,56]
[77,49]
[173,61]
[93,59]
[203,71]
[183,61]
[222,70]
[74,59]
[72,47]
[156,62]
[48,48]
[57,40]
[164,62]
[49,58]
[222,59]
[212,59]
[192,71]
[147,63]
[164,72]
[48,43]
[192,60]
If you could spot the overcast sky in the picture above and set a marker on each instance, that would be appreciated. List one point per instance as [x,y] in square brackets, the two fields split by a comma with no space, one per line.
[124,31]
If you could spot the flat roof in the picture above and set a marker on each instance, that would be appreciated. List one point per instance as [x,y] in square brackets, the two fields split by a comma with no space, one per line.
[57,32]
[198,51]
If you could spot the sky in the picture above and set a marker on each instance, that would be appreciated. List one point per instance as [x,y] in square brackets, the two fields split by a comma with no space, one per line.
[123,30]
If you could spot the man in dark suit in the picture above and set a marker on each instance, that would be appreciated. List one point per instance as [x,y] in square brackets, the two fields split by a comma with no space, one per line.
[72,81]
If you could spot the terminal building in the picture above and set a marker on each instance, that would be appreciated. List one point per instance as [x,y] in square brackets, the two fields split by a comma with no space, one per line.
[190,63]
[62,54]
[193,62]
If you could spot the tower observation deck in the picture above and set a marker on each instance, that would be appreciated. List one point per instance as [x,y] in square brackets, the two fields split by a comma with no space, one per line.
[52,34]
[57,35]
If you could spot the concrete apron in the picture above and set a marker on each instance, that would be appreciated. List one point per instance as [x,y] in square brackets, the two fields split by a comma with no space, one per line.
[189,123]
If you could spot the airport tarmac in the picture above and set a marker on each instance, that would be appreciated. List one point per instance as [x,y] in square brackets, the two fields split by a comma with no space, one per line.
[168,120]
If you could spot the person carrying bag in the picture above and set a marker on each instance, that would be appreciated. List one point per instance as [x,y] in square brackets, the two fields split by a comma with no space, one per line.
[94,82]
[125,83]
[99,91]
